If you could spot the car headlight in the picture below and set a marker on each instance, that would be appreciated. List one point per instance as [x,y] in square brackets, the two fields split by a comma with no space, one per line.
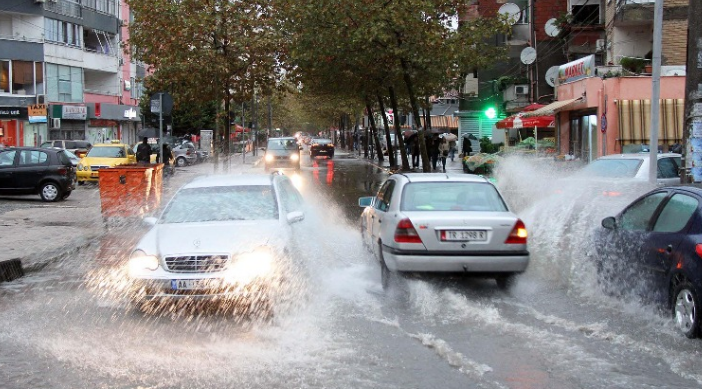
[247,267]
[80,166]
[269,158]
[295,157]
[139,261]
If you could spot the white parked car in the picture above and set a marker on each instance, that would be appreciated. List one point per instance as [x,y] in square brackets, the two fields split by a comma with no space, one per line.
[227,238]
[439,223]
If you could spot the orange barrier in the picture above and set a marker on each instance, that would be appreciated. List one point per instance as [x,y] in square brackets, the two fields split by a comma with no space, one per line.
[130,190]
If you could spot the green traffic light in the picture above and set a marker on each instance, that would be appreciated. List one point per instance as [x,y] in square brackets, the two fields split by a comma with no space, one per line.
[490,113]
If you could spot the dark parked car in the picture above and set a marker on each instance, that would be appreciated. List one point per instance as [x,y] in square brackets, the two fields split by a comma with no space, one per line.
[31,170]
[321,146]
[77,147]
[653,250]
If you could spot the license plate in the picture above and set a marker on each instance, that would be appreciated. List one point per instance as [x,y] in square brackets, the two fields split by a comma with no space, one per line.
[93,175]
[190,284]
[453,235]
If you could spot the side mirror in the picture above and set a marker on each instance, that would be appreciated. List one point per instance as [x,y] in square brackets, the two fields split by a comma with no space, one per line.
[150,221]
[296,216]
[365,201]
[609,223]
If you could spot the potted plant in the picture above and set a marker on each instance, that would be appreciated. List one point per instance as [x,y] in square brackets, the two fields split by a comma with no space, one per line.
[633,64]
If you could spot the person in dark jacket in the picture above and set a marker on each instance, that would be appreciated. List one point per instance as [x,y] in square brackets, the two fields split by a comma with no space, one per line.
[143,152]
[434,150]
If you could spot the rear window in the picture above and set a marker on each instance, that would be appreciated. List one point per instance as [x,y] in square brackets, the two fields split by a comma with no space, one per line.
[322,141]
[64,157]
[70,144]
[451,196]
[613,168]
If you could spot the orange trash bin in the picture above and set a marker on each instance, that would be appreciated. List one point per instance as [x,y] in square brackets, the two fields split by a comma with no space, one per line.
[130,190]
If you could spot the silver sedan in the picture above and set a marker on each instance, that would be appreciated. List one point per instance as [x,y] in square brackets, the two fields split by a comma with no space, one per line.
[454,224]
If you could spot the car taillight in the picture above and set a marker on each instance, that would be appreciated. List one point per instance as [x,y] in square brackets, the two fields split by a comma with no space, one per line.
[518,234]
[187,152]
[405,232]
[698,249]
[62,171]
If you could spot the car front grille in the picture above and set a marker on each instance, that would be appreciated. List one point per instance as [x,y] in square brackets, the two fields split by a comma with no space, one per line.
[196,263]
[96,167]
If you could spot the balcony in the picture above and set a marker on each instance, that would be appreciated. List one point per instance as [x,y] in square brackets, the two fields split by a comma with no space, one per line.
[633,12]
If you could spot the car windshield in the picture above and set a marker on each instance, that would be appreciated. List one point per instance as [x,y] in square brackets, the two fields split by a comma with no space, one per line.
[222,203]
[107,152]
[612,168]
[282,144]
[451,196]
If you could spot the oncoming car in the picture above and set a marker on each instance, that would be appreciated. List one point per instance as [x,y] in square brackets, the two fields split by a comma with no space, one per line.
[282,153]
[104,156]
[224,238]
[443,224]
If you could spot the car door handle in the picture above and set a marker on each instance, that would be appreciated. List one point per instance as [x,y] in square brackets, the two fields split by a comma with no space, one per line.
[669,249]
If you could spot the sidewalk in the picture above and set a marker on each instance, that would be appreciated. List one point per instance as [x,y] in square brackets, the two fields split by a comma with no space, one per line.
[452,167]
[37,233]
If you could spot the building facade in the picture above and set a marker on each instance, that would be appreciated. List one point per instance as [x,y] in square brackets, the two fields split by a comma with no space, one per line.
[64,58]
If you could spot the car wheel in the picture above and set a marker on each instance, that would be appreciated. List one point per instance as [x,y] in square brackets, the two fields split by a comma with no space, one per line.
[181,162]
[50,192]
[506,282]
[81,182]
[685,309]
[66,195]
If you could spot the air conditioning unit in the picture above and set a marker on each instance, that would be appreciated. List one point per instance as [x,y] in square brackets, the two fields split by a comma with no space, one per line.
[55,123]
[521,90]
[600,45]
[41,99]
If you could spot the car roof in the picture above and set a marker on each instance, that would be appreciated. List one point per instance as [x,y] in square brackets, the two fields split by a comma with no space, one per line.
[638,156]
[423,177]
[230,180]
[694,189]
[110,145]
[282,137]
[54,149]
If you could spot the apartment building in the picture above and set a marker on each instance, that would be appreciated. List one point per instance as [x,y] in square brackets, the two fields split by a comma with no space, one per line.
[63,73]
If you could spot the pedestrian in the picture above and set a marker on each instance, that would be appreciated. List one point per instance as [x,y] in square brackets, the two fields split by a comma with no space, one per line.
[452,149]
[467,148]
[143,153]
[444,152]
[434,151]
[415,152]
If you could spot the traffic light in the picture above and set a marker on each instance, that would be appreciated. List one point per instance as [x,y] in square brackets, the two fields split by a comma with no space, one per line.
[490,113]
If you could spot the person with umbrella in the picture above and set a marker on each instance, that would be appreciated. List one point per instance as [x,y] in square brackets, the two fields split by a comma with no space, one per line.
[443,151]
[143,152]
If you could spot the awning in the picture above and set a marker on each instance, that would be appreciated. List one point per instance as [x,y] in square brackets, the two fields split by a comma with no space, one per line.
[635,121]
[520,121]
[549,110]
[450,122]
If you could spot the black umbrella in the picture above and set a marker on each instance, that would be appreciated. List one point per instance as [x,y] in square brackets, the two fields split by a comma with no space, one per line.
[147,133]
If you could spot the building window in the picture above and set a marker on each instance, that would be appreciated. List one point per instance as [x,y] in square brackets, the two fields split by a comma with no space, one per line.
[59,31]
[99,41]
[21,77]
[586,14]
[64,83]
[105,6]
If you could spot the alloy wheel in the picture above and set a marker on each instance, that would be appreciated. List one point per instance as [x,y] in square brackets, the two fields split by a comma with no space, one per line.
[685,311]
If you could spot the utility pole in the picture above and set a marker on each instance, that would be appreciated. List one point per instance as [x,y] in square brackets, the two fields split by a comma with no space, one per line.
[692,135]
[270,116]
[254,124]
[656,90]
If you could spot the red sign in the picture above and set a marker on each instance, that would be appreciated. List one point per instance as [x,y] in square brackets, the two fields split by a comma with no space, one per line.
[97,110]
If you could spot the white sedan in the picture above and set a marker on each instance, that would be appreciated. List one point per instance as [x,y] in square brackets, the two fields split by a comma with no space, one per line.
[225,238]
[439,223]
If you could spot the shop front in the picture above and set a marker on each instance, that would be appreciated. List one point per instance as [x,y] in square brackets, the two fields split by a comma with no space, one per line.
[67,122]
[112,121]
[613,115]
[23,126]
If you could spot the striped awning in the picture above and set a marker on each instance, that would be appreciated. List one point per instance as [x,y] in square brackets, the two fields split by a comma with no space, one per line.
[635,121]
[448,122]
[549,110]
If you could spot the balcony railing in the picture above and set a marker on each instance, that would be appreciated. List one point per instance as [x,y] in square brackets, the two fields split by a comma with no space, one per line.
[634,11]
[64,7]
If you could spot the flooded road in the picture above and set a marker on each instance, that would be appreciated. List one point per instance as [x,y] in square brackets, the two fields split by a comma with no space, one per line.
[68,326]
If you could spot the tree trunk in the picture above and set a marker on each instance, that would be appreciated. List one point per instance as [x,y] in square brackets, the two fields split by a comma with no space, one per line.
[391,154]
[415,112]
[398,131]
[374,132]
[227,130]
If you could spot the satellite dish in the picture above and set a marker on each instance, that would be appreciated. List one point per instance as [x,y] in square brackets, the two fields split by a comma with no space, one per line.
[511,11]
[528,55]
[551,28]
[551,75]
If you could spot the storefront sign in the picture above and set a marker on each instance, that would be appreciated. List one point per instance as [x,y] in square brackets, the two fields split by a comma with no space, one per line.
[13,112]
[37,113]
[576,70]
[130,113]
[74,112]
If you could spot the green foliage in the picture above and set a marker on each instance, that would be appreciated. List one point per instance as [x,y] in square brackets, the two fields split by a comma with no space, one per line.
[634,64]
[486,146]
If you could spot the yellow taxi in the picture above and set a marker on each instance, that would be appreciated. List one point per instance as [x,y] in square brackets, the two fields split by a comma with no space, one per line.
[103,156]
